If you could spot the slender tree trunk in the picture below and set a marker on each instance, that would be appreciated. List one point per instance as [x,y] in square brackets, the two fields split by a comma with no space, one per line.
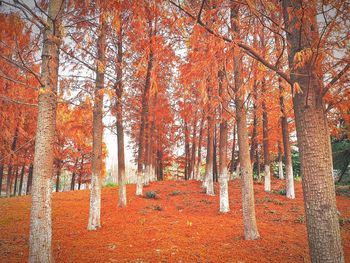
[40,217]
[209,186]
[233,160]
[223,173]
[58,174]
[313,137]
[96,164]
[9,169]
[119,120]
[187,150]
[215,163]
[16,180]
[249,218]
[1,174]
[280,162]
[21,181]
[193,148]
[255,124]
[144,118]
[290,193]
[72,182]
[199,150]
[267,174]
[29,180]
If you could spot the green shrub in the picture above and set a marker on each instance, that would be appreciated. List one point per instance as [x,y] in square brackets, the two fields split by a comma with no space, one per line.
[151,195]
[176,192]
[110,184]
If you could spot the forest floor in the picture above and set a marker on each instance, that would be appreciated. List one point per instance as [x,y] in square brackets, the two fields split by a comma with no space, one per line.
[182,225]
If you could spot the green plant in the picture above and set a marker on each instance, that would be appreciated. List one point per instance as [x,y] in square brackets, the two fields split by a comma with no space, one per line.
[176,192]
[282,192]
[151,195]
[110,184]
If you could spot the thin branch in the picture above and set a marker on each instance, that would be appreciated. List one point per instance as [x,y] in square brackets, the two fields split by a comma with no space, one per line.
[335,79]
[248,50]
[17,101]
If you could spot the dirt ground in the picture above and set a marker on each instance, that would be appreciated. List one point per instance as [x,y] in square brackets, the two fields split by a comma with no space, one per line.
[182,225]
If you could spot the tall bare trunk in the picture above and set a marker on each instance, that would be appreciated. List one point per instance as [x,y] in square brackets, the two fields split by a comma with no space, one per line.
[144,118]
[119,122]
[280,162]
[40,217]
[313,137]
[1,173]
[223,173]
[21,181]
[16,181]
[199,150]
[249,218]
[10,168]
[290,193]
[208,181]
[267,174]
[233,160]
[193,148]
[29,180]
[97,125]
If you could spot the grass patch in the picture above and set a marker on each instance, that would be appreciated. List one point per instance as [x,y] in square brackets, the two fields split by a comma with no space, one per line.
[300,219]
[110,185]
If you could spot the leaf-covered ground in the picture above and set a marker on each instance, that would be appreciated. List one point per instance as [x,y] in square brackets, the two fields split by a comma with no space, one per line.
[182,225]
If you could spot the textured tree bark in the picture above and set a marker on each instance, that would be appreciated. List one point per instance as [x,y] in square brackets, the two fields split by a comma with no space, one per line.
[187,150]
[119,120]
[29,180]
[249,218]
[21,181]
[313,137]
[40,234]
[97,125]
[267,174]
[223,173]
[215,163]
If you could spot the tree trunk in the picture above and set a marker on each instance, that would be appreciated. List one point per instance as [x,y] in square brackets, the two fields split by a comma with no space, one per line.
[40,217]
[215,163]
[16,180]
[29,180]
[193,148]
[144,118]
[249,219]
[208,182]
[9,169]
[1,174]
[267,174]
[96,163]
[72,182]
[313,138]
[255,124]
[290,193]
[233,160]
[199,150]
[223,173]
[58,174]
[21,181]
[280,163]
[119,119]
